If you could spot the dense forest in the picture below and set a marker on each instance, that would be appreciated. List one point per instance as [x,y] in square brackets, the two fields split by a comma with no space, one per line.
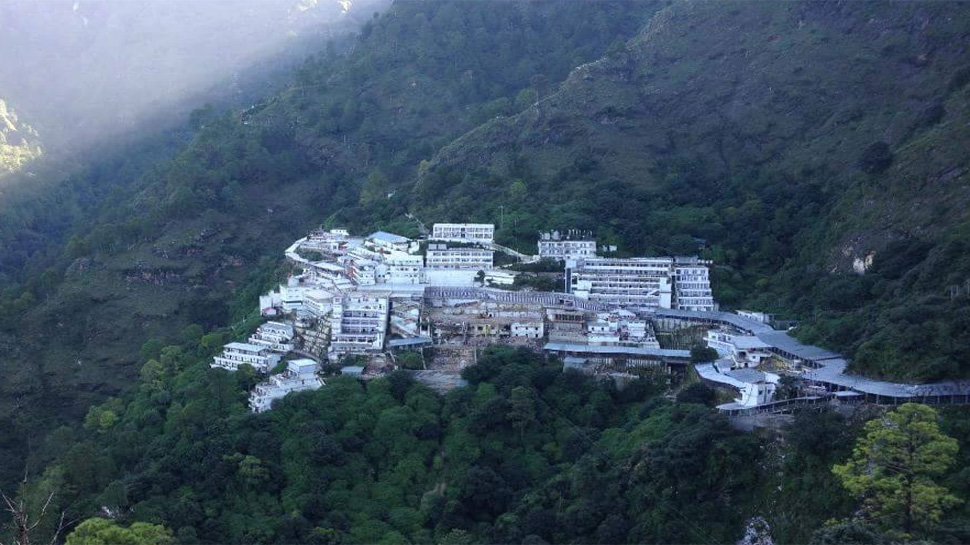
[788,142]
[524,454]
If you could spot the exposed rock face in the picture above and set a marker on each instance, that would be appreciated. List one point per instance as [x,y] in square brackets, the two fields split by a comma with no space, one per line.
[757,532]
[19,142]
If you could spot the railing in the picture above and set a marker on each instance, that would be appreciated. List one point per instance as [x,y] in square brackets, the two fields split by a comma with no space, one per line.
[776,407]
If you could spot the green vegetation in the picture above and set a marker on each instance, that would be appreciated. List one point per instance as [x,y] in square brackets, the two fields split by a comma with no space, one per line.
[188,228]
[787,141]
[105,532]
[525,452]
[895,467]
[748,134]
[19,142]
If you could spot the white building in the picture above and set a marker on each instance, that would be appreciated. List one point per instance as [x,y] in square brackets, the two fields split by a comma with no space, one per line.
[499,277]
[529,330]
[692,285]
[359,323]
[571,245]
[742,350]
[360,265]
[300,375]
[333,241]
[382,264]
[620,328]
[483,233]
[645,282]
[233,355]
[276,336]
[401,268]
[439,256]
[389,241]
[762,317]
[631,282]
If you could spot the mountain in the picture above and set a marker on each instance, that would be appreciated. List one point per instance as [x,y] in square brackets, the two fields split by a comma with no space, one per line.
[804,143]
[146,242]
[812,149]
[19,142]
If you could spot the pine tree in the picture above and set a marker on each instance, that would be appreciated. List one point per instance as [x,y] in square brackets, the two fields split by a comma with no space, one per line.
[893,467]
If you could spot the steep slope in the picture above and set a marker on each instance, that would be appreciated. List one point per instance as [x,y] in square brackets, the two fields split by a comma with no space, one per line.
[141,246]
[788,139]
[19,142]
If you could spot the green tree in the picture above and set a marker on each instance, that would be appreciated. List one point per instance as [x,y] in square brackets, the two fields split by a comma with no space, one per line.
[893,467]
[105,532]
[522,408]
[702,354]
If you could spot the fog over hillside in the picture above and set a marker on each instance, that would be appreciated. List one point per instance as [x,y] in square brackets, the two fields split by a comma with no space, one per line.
[82,69]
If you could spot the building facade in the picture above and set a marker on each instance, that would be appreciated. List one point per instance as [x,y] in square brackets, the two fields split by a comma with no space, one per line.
[569,245]
[358,324]
[233,355]
[276,336]
[483,233]
[643,282]
[633,282]
[299,376]
[692,285]
[441,257]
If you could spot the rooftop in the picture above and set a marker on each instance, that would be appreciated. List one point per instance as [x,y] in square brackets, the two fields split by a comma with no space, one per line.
[626,350]
[786,343]
[246,347]
[391,238]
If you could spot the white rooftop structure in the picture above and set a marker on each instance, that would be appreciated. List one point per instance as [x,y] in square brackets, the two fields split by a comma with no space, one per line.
[483,233]
[572,244]
[300,375]
[234,354]
[359,323]
[741,349]
[754,387]
[276,336]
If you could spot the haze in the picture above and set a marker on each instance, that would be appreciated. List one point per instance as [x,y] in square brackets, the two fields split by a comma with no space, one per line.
[79,70]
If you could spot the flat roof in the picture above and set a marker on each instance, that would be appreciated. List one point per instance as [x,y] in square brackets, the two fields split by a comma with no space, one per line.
[738,321]
[388,237]
[786,343]
[747,375]
[626,350]
[708,372]
[833,372]
[489,225]
[246,346]
[412,341]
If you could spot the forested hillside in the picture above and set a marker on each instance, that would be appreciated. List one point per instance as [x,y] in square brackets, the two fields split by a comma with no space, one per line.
[791,142]
[146,241]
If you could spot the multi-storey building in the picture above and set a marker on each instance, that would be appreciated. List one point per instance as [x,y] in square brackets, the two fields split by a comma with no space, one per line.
[333,241]
[529,330]
[692,285]
[647,282]
[571,245]
[400,268]
[358,323]
[483,233]
[275,336]
[439,256]
[743,350]
[299,376]
[634,282]
[389,241]
[233,355]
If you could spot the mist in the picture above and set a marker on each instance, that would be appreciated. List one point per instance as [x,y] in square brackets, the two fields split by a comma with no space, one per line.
[82,70]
